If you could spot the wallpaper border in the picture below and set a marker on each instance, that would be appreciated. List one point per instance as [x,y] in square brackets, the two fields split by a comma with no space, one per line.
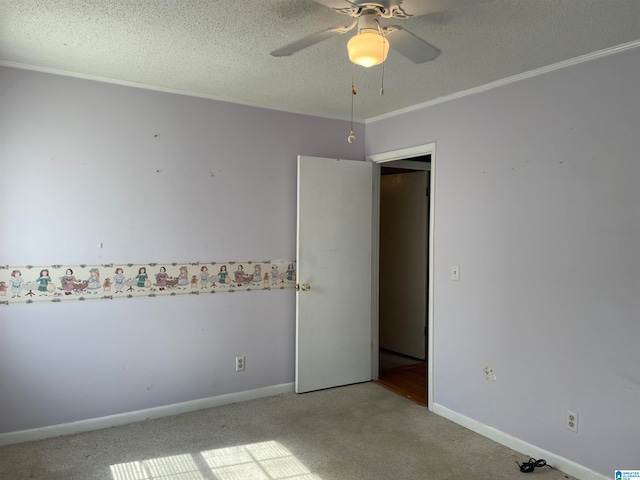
[27,284]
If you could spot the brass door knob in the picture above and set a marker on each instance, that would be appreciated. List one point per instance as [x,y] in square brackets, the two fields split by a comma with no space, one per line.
[305,287]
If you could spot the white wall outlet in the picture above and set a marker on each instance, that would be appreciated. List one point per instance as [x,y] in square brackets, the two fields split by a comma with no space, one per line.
[239,364]
[455,272]
[572,421]
[489,373]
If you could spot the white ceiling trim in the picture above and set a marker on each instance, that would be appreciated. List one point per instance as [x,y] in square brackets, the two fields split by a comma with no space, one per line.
[464,93]
[126,83]
[508,80]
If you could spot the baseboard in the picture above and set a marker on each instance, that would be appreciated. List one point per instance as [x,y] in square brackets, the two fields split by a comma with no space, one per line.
[140,415]
[560,463]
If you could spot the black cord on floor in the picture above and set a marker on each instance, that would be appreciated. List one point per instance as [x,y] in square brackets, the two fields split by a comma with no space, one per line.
[531,465]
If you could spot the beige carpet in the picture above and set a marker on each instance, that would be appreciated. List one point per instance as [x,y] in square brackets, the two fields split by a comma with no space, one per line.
[360,432]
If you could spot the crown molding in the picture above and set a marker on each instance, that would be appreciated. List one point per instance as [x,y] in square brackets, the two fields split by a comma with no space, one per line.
[482,88]
[154,88]
[506,81]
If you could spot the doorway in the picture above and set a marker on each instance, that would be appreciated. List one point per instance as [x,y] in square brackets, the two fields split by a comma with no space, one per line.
[402,358]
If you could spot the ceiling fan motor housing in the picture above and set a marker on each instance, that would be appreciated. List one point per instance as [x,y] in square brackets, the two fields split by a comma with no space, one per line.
[367,21]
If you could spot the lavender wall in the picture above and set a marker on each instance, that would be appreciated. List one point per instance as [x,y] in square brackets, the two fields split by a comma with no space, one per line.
[157,178]
[537,200]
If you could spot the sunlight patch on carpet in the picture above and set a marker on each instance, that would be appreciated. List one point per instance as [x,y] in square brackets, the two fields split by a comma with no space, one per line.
[176,467]
[256,461]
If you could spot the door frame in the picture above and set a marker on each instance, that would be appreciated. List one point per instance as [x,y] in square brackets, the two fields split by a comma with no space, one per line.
[399,157]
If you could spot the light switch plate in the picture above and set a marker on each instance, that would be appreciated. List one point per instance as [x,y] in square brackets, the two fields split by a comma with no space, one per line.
[455,272]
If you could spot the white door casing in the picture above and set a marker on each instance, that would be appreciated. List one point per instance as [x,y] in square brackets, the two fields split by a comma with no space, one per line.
[399,158]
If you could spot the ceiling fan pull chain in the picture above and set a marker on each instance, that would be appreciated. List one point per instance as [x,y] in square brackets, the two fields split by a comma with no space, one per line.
[383,62]
[383,56]
[352,137]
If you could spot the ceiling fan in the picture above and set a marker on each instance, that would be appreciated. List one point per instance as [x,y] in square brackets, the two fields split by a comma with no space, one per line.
[371,43]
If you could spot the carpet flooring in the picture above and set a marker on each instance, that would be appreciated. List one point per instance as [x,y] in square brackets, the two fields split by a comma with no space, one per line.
[358,432]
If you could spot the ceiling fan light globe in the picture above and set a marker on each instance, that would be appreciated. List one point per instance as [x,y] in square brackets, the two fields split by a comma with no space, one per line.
[368,48]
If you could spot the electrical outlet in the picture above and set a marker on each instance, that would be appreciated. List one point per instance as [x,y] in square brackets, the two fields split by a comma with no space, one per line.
[572,421]
[489,373]
[239,364]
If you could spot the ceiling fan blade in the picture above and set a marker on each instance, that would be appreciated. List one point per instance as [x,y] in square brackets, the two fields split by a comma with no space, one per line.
[334,4]
[304,43]
[409,45]
[416,8]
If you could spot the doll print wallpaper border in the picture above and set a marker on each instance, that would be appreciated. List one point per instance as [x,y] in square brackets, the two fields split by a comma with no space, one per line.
[57,283]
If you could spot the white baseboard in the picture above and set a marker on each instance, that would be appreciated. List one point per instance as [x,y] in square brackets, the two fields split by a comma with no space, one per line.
[140,415]
[560,463]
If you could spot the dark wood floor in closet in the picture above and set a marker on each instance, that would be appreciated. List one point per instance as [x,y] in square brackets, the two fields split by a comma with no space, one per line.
[410,381]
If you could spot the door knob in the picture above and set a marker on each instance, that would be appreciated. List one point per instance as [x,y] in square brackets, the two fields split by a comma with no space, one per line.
[305,287]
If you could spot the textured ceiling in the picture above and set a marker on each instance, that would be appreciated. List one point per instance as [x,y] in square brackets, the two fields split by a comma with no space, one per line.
[221,49]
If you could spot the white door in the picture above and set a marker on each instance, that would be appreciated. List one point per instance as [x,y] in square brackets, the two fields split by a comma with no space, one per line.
[333,317]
